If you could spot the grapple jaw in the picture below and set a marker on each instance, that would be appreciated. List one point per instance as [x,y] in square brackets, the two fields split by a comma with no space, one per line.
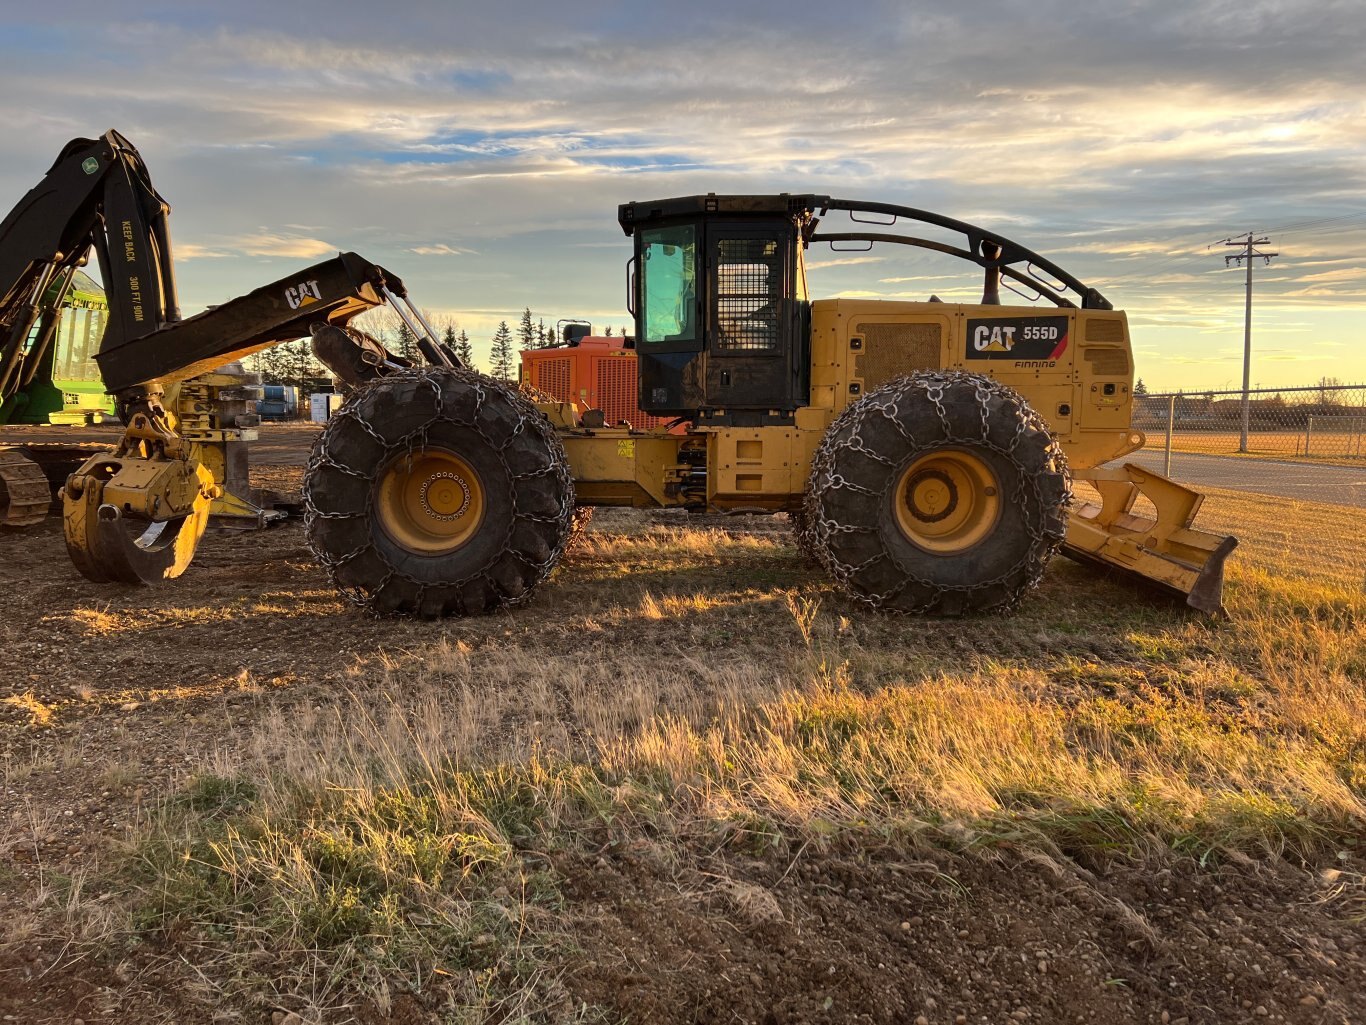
[135,515]
[1164,550]
[110,545]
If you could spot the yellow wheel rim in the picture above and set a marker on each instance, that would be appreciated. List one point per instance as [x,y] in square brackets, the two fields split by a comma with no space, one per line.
[430,502]
[947,501]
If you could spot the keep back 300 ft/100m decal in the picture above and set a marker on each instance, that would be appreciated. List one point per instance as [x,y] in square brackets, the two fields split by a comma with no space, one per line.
[1017,338]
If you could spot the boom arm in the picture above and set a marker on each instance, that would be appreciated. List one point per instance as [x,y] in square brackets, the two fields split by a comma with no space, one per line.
[136,514]
[97,193]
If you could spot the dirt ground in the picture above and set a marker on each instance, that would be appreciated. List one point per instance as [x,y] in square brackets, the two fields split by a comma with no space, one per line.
[874,936]
[110,697]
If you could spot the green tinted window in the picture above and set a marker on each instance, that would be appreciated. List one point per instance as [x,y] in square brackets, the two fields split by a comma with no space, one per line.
[668,283]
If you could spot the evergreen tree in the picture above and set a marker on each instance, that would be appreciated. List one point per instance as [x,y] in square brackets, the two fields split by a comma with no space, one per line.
[526,331]
[609,330]
[1140,388]
[502,352]
[464,349]
[542,338]
[448,340]
[290,364]
[406,345]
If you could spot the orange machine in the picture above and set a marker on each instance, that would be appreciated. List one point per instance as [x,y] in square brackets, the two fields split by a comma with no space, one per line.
[592,372]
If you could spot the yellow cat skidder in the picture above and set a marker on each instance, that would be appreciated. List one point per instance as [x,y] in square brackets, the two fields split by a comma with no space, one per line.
[924,450]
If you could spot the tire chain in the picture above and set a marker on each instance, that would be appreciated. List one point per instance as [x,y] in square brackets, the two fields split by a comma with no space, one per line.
[1046,533]
[578,526]
[530,419]
[583,514]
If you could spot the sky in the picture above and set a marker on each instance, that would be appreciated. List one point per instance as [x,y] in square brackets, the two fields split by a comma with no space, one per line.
[480,151]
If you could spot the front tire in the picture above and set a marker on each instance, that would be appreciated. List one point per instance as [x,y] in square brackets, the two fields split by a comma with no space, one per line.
[438,491]
[942,492]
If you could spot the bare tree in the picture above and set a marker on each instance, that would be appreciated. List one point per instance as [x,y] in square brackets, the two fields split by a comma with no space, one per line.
[1328,390]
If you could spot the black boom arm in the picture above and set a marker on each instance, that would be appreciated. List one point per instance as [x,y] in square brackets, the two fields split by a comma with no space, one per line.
[97,194]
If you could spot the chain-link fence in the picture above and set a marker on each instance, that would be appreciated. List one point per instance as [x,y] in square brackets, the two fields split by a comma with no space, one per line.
[1322,424]
[1280,468]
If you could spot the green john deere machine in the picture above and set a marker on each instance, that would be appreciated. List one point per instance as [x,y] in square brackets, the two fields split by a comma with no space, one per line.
[64,386]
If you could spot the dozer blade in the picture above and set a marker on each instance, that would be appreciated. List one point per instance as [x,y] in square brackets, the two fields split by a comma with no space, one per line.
[25,493]
[109,547]
[1164,550]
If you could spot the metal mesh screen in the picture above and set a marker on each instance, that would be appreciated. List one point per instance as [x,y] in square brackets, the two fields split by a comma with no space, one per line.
[1104,330]
[1108,362]
[616,394]
[1324,424]
[890,350]
[749,283]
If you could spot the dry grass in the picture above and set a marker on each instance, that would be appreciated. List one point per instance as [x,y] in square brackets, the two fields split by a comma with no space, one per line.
[1282,538]
[697,684]
[1344,448]
[39,714]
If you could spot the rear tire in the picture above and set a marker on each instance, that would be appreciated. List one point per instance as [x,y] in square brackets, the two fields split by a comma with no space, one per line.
[942,492]
[436,492]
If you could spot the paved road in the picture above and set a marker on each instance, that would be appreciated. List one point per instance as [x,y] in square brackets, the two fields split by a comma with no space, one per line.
[1336,485]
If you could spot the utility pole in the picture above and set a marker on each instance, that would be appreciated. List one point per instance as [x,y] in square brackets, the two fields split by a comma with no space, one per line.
[1248,245]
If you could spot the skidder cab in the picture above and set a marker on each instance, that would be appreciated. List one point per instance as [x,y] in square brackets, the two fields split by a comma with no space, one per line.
[720,315]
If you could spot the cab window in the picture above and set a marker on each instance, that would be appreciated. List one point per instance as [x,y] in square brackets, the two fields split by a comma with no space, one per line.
[668,284]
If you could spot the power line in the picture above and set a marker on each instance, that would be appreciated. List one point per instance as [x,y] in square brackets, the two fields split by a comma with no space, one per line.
[1249,252]
[1302,226]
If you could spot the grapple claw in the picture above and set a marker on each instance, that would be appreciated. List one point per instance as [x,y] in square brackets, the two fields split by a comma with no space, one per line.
[108,546]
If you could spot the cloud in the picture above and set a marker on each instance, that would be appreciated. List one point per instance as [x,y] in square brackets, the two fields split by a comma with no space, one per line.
[439,249]
[842,261]
[1344,274]
[294,247]
[190,251]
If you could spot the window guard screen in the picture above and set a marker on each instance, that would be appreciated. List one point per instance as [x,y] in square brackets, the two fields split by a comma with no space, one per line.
[749,283]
